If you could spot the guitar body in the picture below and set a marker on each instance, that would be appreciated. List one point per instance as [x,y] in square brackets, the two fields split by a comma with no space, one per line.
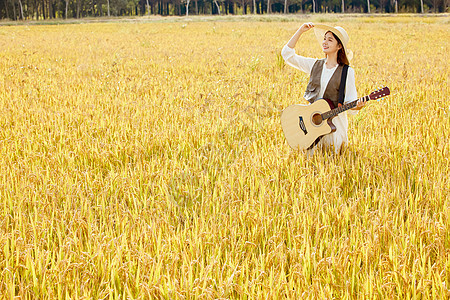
[303,125]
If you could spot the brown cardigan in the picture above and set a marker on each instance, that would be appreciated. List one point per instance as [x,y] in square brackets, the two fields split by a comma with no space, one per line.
[332,90]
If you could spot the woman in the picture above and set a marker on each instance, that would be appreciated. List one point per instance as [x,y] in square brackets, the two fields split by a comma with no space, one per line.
[325,76]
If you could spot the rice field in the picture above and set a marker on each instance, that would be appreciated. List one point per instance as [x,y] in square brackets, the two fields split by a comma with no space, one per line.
[145,160]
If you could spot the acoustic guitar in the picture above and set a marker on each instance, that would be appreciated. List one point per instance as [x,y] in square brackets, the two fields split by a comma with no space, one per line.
[304,125]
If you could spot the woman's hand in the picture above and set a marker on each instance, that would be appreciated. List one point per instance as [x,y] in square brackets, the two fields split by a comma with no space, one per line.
[360,104]
[305,27]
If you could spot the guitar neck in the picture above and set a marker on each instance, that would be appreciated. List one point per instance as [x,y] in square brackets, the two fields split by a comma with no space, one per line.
[334,112]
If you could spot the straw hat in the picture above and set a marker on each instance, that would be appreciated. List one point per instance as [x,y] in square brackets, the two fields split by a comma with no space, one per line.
[320,30]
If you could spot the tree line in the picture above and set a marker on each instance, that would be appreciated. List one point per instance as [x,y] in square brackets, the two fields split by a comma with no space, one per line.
[54,9]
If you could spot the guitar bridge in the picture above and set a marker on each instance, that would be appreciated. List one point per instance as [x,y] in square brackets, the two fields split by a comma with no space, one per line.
[302,125]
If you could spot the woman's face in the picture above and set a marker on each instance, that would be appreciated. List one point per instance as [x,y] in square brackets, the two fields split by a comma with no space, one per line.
[330,44]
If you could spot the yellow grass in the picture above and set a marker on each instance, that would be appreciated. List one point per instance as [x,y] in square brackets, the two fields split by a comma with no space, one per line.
[146,160]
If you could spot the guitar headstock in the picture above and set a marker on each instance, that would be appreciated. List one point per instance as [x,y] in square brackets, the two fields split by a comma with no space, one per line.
[379,93]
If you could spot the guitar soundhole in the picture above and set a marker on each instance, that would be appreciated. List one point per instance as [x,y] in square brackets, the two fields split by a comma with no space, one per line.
[317,119]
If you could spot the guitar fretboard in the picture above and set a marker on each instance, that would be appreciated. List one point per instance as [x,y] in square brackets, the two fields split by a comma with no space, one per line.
[334,112]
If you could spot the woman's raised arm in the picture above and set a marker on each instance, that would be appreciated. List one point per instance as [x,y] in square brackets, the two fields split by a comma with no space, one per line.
[304,28]
[304,64]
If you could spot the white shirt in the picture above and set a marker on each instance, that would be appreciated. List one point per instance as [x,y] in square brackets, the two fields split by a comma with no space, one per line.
[305,64]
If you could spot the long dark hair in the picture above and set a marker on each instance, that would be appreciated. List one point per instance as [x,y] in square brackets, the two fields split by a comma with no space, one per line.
[341,56]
